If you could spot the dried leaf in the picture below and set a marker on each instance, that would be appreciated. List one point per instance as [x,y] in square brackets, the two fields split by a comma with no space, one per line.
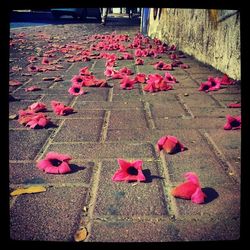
[81,234]
[48,78]
[12,117]
[29,190]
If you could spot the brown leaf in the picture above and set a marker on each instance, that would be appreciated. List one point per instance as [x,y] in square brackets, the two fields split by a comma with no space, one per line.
[13,117]
[81,234]
[29,190]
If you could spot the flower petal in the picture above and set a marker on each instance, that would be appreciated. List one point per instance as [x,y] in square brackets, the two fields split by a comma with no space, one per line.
[184,190]
[198,196]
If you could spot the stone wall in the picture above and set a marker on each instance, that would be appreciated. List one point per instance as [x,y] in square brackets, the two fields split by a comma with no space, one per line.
[211,36]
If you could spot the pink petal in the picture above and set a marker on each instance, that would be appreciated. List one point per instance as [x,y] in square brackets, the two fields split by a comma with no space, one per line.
[64,168]
[192,177]
[124,165]
[42,164]
[161,142]
[198,196]
[54,155]
[234,105]
[120,175]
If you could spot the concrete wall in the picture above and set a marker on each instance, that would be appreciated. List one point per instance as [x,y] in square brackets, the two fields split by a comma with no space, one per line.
[211,36]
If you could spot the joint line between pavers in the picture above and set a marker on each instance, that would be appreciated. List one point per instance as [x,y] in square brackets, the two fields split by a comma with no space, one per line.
[48,142]
[93,65]
[95,180]
[148,115]
[13,201]
[105,125]
[173,210]
[50,185]
[110,95]
[25,83]
[220,156]
[216,101]
[69,67]
[184,106]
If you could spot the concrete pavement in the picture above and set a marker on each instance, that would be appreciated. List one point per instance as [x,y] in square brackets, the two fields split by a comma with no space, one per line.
[111,123]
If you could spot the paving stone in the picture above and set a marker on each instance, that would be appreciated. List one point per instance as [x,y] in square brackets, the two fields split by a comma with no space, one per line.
[107,150]
[199,100]
[78,130]
[115,105]
[166,110]
[53,215]
[229,143]
[127,119]
[28,97]
[127,200]
[64,98]
[130,231]
[29,174]
[214,112]
[24,145]
[216,123]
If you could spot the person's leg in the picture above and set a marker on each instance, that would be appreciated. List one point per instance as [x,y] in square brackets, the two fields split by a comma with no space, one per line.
[104,15]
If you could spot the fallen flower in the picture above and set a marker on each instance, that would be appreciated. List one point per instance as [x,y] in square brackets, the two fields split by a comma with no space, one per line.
[234,105]
[139,61]
[232,122]
[226,81]
[85,71]
[127,83]
[32,88]
[38,120]
[190,189]
[76,89]
[184,66]
[129,171]
[32,68]
[78,79]
[163,66]
[60,109]
[170,144]
[140,77]
[14,83]
[169,78]
[45,61]
[37,106]
[55,163]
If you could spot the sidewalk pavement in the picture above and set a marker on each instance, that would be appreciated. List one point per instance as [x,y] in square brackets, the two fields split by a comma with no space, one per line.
[111,123]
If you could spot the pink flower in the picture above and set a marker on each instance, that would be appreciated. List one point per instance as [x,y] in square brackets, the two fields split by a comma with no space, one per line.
[169,78]
[226,81]
[45,61]
[33,68]
[190,190]
[215,83]
[32,59]
[139,61]
[76,89]
[234,105]
[24,116]
[138,52]
[170,144]
[126,71]
[129,171]
[140,77]
[32,88]
[127,56]
[39,120]
[163,66]
[127,83]
[78,79]
[109,71]
[55,163]
[60,109]
[14,83]
[37,106]
[205,86]
[184,66]
[232,122]
[85,71]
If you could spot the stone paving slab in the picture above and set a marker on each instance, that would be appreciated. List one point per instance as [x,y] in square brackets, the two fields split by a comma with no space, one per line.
[31,143]
[40,216]
[79,130]
[128,199]
[107,150]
